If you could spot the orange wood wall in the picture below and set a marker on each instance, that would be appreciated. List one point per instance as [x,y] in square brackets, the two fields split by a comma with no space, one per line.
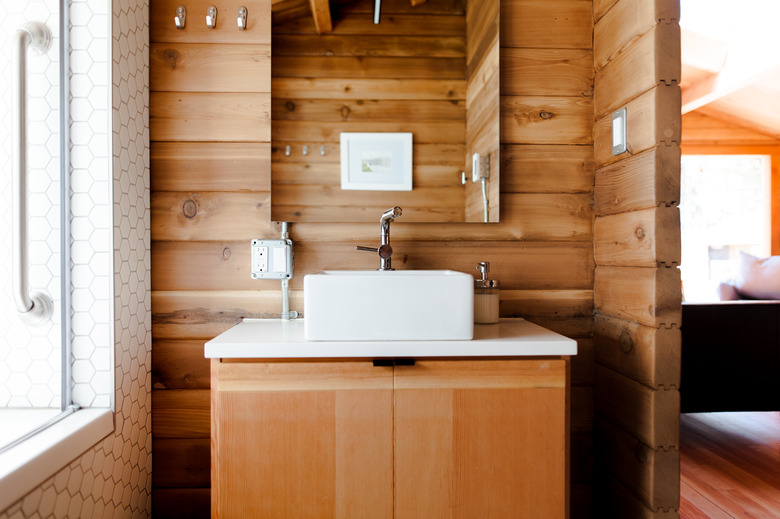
[210,163]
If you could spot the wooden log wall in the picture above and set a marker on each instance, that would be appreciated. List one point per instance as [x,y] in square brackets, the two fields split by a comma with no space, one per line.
[407,74]
[637,292]
[706,132]
[210,167]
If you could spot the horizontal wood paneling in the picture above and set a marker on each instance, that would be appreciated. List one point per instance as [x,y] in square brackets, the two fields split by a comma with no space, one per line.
[557,72]
[624,503]
[649,179]
[649,296]
[210,166]
[201,67]
[646,354]
[626,23]
[182,463]
[365,45]
[546,120]
[639,68]
[546,169]
[560,24]
[700,129]
[357,88]
[181,413]
[162,28]
[202,116]
[645,238]
[650,415]
[179,365]
[412,24]
[642,469]
[652,120]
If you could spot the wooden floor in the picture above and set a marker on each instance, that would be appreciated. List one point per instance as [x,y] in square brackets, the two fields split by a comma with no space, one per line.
[730,465]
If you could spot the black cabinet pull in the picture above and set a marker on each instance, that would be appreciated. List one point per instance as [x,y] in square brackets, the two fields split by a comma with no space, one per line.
[393,362]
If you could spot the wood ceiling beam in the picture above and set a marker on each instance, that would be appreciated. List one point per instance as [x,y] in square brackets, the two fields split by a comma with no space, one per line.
[320,11]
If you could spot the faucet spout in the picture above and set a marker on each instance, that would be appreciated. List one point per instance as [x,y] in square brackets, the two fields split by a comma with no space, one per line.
[385,250]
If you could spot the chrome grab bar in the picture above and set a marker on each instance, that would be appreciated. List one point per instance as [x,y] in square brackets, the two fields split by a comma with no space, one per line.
[36,307]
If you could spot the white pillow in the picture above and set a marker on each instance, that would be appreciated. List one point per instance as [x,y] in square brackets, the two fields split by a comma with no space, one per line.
[758,278]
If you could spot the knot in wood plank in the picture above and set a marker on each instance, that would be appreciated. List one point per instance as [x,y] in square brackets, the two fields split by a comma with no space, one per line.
[290,106]
[626,342]
[345,111]
[546,115]
[226,252]
[171,57]
[190,208]
[640,233]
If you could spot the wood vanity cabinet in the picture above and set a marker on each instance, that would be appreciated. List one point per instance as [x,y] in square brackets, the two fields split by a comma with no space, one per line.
[347,439]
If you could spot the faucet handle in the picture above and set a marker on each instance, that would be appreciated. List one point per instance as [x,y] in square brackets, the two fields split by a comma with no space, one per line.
[384,251]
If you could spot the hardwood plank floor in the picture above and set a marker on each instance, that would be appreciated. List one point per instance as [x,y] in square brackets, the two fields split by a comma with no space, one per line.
[730,465]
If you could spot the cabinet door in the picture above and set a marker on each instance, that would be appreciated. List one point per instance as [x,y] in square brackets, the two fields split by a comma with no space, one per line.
[481,439]
[302,439]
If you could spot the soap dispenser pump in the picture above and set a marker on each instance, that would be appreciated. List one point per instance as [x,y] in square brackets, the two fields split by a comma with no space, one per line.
[485,296]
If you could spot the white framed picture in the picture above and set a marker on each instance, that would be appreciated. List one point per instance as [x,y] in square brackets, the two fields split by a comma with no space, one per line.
[376,161]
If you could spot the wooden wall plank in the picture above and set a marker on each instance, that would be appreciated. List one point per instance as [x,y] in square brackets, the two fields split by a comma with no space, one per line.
[639,68]
[646,354]
[556,72]
[210,166]
[192,503]
[412,46]
[601,7]
[546,169]
[652,119]
[372,67]
[397,25]
[650,296]
[700,129]
[201,67]
[179,365]
[561,24]
[338,110]
[645,238]
[292,132]
[356,88]
[642,469]
[181,413]
[182,462]
[209,215]
[203,116]
[626,23]
[650,415]
[622,502]
[162,28]
[648,179]
[546,120]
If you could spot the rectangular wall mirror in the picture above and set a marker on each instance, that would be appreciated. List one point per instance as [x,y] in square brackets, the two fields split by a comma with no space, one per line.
[430,69]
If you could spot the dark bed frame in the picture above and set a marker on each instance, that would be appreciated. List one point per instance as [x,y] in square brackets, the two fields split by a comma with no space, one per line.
[730,356]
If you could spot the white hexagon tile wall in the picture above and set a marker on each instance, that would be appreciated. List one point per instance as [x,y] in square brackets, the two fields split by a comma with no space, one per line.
[113,479]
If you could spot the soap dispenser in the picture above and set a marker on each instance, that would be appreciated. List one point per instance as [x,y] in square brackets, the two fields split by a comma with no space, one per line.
[485,296]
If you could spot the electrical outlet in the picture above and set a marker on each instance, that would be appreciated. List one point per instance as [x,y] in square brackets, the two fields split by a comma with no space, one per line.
[272,259]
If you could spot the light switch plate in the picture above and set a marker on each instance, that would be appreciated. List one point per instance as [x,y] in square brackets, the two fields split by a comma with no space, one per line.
[619,140]
[272,259]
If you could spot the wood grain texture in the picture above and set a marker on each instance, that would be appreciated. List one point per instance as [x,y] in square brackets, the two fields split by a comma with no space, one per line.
[645,64]
[201,67]
[201,116]
[648,179]
[642,469]
[546,168]
[182,463]
[546,120]
[652,416]
[646,238]
[210,166]
[475,440]
[341,437]
[649,296]
[728,464]
[646,354]
[626,23]
[562,24]
[181,413]
[162,28]
[558,72]
[652,119]
[357,88]
[179,364]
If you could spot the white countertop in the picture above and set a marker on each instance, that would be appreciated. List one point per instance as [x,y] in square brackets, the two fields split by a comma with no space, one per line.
[277,339]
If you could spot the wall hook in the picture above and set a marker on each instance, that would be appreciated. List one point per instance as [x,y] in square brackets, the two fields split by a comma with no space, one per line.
[181,17]
[287,151]
[322,150]
[211,17]
[305,150]
[242,18]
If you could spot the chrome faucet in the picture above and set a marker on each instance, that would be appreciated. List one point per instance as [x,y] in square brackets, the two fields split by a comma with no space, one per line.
[385,251]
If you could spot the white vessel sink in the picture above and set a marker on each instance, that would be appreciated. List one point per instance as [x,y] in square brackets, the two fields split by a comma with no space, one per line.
[368,305]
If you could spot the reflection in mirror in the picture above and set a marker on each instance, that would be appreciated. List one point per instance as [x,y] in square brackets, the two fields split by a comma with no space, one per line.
[430,69]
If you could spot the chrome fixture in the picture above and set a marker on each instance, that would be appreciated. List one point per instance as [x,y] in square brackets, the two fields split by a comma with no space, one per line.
[211,17]
[241,20]
[385,251]
[181,17]
[377,10]
[34,307]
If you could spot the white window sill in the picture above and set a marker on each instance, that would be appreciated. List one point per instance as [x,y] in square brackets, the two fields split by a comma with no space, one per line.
[31,463]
